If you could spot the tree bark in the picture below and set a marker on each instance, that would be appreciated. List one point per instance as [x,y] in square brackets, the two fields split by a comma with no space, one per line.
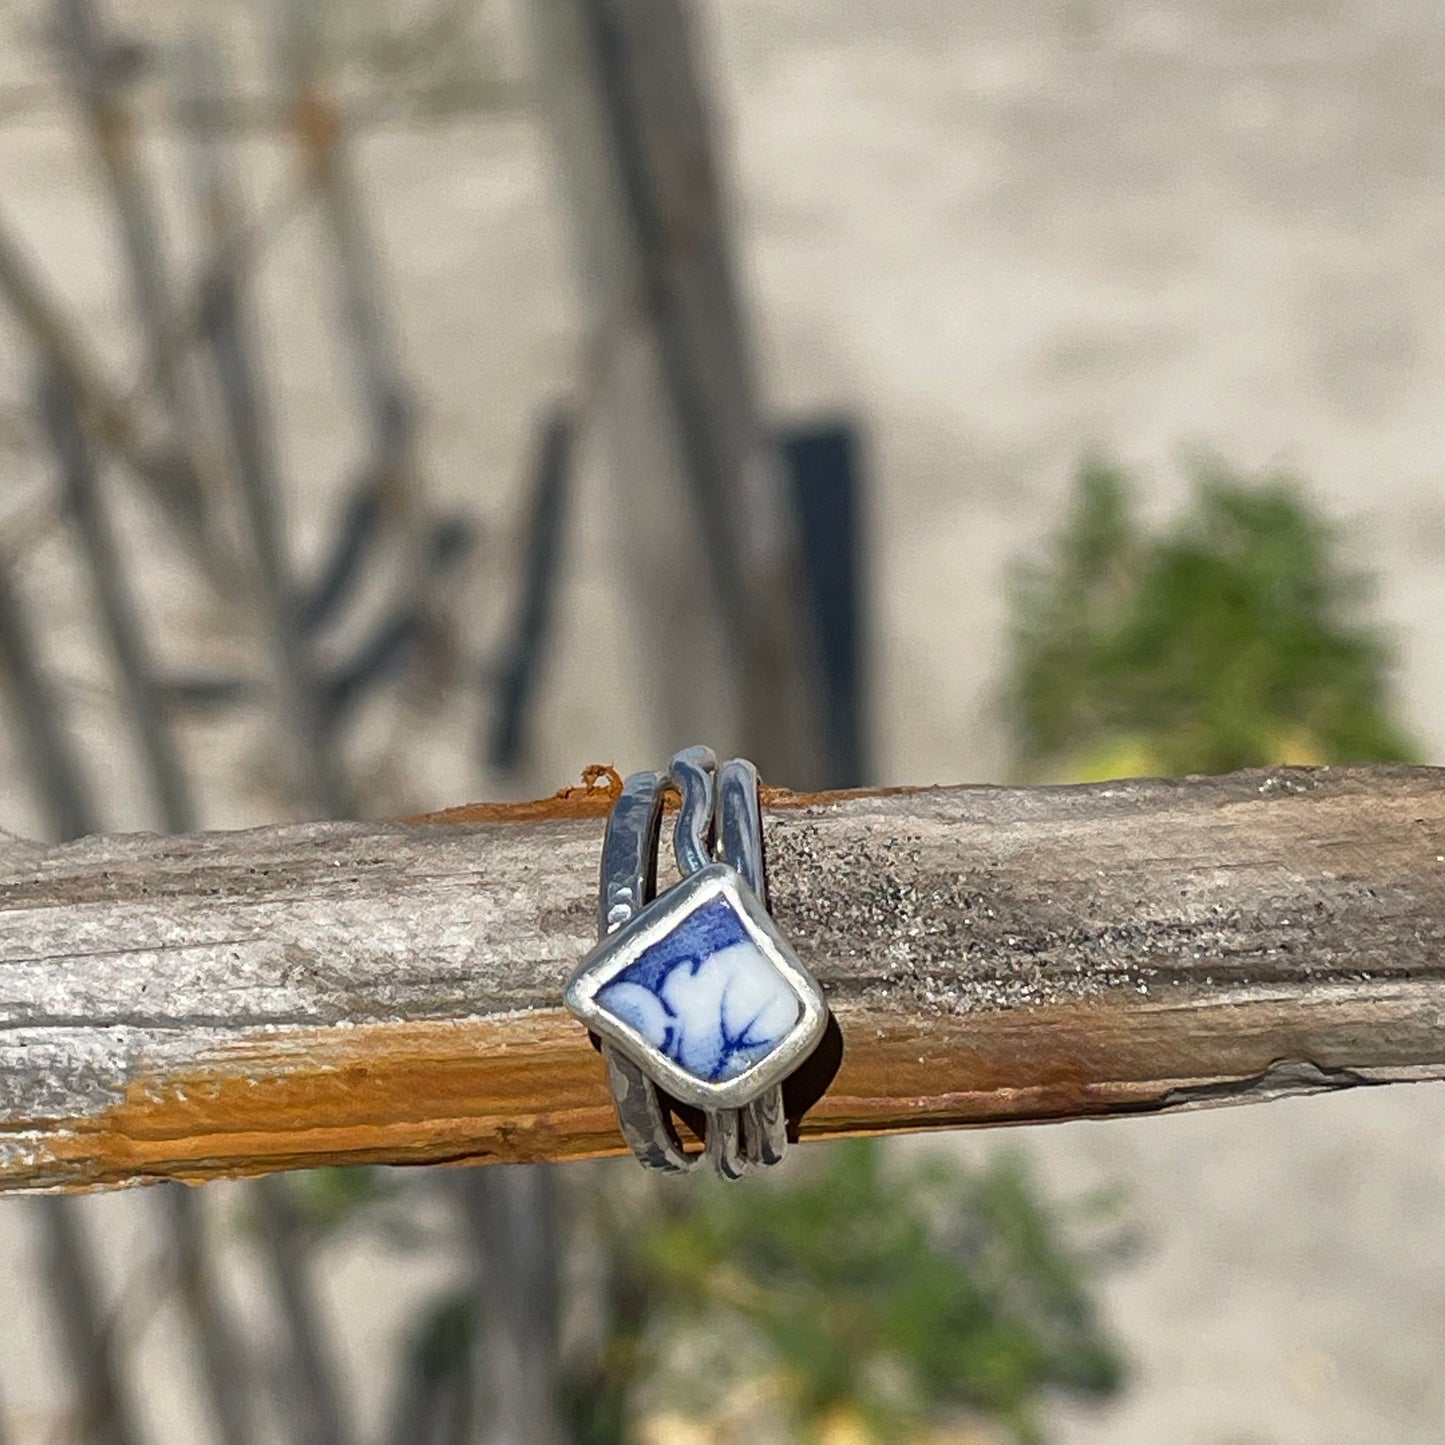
[343,993]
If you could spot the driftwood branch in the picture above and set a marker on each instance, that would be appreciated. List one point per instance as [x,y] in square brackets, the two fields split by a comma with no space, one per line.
[228,1004]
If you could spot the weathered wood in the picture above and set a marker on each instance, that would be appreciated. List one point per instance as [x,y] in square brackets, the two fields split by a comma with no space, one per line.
[235,1003]
[701,515]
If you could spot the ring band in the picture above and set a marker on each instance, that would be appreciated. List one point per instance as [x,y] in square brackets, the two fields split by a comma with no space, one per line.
[696,997]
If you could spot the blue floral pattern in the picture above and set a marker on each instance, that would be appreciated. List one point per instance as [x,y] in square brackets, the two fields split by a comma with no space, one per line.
[706,996]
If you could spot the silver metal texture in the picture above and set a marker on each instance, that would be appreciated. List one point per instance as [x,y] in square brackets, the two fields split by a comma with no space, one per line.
[719,848]
[694,774]
[740,844]
[629,879]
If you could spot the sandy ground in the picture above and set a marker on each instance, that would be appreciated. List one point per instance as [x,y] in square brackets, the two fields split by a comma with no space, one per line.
[999,235]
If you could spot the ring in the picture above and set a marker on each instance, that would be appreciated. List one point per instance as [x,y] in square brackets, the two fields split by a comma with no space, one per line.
[695,996]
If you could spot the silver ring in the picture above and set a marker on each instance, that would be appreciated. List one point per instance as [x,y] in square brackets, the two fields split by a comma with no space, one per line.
[696,997]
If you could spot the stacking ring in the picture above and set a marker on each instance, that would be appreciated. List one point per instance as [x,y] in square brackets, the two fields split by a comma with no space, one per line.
[695,996]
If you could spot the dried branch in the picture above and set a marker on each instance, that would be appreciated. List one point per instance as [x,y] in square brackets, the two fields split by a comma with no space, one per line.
[394,639]
[167,476]
[319,129]
[363,993]
[315,1405]
[117,609]
[695,473]
[223,1360]
[317,774]
[516,674]
[237,253]
[59,782]
[511,1221]
[106,1413]
[102,90]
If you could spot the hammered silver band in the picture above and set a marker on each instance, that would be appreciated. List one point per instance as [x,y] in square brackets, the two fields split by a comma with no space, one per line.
[718,821]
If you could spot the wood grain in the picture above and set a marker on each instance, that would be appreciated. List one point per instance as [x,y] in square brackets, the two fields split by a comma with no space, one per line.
[226,1004]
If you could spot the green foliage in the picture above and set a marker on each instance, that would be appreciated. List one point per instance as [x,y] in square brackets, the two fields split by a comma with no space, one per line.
[1230,641]
[868,1289]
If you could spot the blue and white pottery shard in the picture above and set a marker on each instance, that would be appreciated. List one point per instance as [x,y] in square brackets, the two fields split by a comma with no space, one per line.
[703,993]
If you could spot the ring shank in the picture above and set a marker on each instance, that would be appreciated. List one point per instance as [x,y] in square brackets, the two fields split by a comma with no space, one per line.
[718,806]
[629,881]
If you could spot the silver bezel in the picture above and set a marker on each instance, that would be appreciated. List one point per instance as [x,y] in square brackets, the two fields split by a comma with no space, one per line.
[617,952]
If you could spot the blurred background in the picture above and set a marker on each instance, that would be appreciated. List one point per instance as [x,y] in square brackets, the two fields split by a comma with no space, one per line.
[406,404]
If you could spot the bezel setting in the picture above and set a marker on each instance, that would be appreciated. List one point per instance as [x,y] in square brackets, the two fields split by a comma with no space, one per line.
[614,955]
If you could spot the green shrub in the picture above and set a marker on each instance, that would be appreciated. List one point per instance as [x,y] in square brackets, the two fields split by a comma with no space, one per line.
[1230,640]
[866,1289]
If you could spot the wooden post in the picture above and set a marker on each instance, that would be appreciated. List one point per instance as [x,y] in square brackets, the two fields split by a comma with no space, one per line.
[227,1004]
[702,522]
